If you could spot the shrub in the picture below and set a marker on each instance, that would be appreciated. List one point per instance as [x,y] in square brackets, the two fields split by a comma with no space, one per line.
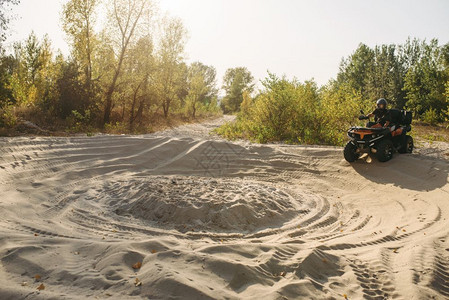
[116,128]
[8,118]
[80,122]
[431,117]
[294,112]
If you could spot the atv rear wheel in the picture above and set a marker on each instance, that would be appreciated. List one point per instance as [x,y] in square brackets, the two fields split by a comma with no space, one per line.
[407,145]
[350,152]
[385,150]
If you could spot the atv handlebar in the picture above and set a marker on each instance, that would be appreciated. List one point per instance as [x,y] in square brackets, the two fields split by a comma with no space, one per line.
[363,117]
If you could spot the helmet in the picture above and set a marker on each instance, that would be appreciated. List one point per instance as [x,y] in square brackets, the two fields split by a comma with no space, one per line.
[381,102]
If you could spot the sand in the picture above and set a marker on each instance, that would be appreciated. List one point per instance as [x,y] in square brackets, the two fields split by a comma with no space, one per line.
[183,214]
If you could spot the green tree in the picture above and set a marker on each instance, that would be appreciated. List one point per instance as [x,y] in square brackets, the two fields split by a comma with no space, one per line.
[235,82]
[7,64]
[386,78]
[355,70]
[425,81]
[140,68]
[202,90]
[33,62]
[70,89]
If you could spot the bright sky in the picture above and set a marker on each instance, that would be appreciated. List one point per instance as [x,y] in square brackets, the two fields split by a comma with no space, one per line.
[298,38]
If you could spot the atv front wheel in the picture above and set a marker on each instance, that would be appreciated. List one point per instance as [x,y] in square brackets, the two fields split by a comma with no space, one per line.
[350,152]
[385,150]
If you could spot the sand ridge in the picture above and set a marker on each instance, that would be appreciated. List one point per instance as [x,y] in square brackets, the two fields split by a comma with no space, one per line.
[213,219]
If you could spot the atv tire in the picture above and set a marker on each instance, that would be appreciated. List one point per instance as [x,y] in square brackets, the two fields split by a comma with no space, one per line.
[407,146]
[385,150]
[350,153]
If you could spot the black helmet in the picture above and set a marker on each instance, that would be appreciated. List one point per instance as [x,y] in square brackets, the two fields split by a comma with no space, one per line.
[383,102]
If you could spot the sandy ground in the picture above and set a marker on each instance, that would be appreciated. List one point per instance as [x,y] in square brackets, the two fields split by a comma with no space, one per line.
[182,214]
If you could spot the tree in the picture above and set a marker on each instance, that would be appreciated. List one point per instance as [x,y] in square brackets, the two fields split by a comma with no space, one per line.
[411,74]
[425,81]
[6,70]
[235,82]
[140,67]
[78,22]
[202,90]
[355,69]
[386,78]
[31,57]
[70,89]
[126,19]
[171,69]
[6,62]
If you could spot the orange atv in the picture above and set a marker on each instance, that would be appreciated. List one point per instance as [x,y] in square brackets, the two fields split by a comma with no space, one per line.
[379,140]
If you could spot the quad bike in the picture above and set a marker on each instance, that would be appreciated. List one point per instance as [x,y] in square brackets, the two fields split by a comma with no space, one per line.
[379,140]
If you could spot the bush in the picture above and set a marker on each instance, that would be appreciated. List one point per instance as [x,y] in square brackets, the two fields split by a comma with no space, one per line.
[296,112]
[80,122]
[116,128]
[431,117]
[8,118]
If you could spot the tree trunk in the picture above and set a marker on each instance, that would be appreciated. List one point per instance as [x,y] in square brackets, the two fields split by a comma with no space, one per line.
[133,106]
[166,107]
[139,114]
[89,63]
[111,89]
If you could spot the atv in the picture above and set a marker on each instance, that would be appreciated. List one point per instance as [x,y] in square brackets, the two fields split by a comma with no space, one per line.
[379,140]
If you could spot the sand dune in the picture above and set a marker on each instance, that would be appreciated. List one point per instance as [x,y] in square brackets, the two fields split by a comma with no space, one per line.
[208,218]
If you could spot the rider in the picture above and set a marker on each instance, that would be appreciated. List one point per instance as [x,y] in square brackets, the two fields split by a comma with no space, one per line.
[381,114]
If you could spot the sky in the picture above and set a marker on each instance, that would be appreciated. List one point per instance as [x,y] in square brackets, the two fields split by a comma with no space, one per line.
[296,38]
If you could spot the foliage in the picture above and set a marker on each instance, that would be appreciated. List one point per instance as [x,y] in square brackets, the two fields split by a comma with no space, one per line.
[236,81]
[431,117]
[425,81]
[6,92]
[80,121]
[413,74]
[118,78]
[294,112]
[169,82]
[33,75]
[126,75]
[78,22]
[202,91]
[126,20]
[7,117]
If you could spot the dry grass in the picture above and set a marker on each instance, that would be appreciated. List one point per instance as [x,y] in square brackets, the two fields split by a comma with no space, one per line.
[47,125]
[439,133]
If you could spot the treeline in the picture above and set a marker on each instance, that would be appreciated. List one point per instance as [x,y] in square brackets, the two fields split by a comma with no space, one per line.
[414,75]
[132,73]
[123,77]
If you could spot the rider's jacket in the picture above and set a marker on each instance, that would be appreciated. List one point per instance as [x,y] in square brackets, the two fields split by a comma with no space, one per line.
[381,116]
